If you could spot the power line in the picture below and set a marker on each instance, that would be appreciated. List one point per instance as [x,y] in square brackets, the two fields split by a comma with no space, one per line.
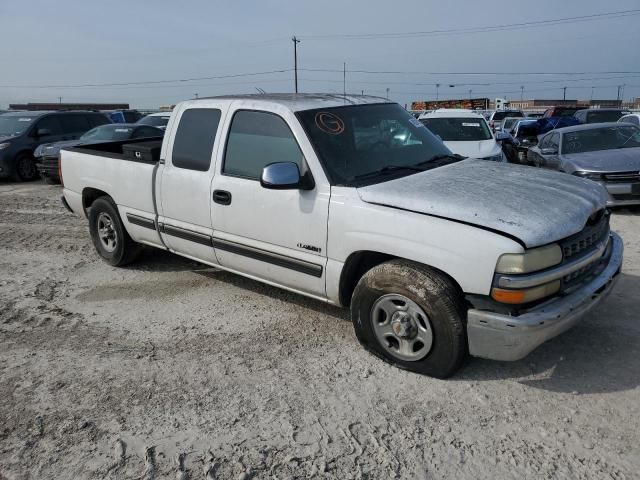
[401,72]
[152,82]
[490,28]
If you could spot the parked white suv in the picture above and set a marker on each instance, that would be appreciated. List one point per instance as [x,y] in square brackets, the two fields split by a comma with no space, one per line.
[465,133]
[352,201]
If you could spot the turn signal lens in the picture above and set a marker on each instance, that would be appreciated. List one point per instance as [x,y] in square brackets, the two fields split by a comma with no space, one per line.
[531,260]
[514,297]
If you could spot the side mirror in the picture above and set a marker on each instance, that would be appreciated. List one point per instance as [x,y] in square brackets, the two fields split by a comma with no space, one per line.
[43,132]
[284,176]
[549,151]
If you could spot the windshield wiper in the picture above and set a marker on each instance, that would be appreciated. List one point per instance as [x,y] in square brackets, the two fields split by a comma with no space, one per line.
[439,161]
[388,169]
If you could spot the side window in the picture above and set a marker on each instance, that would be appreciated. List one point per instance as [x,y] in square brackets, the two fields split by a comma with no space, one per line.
[554,141]
[98,119]
[74,123]
[193,144]
[257,139]
[50,123]
[544,143]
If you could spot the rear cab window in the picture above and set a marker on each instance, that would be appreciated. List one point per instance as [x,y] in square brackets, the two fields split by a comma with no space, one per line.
[194,139]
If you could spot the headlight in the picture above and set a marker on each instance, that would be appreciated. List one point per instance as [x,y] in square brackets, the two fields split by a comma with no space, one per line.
[4,145]
[590,175]
[494,158]
[531,260]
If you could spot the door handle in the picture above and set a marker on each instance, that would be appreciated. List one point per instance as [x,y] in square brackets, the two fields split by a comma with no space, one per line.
[222,197]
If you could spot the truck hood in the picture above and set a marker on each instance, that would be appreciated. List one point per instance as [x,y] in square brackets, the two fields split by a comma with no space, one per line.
[535,206]
[618,160]
[477,149]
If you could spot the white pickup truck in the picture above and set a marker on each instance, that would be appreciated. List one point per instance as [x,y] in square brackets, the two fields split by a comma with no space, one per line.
[352,201]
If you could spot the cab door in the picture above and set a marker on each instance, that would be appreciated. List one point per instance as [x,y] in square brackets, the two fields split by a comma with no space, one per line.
[274,235]
[184,200]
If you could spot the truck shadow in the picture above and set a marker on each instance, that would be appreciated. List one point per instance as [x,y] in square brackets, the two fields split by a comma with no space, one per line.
[599,355]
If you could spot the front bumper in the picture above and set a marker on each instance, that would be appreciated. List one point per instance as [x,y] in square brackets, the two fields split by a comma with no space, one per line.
[504,337]
[622,193]
[48,167]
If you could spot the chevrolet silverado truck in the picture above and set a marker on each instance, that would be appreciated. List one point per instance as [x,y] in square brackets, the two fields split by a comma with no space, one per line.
[352,201]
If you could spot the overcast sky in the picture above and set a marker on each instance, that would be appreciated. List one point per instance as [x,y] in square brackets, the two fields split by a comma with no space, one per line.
[74,42]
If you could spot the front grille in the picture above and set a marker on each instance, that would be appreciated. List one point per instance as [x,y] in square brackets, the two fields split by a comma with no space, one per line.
[588,238]
[622,177]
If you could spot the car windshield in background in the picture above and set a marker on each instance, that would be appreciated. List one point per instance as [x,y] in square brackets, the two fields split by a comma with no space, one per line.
[499,116]
[605,138]
[509,122]
[356,142]
[156,121]
[528,129]
[108,133]
[458,129]
[564,112]
[11,125]
[604,116]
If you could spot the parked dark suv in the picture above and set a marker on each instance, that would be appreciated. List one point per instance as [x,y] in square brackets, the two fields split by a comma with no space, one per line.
[22,132]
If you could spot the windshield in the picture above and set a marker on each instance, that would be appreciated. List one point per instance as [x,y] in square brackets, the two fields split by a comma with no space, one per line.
[527,129]
[564,111]
[357,141]
[606,138]
[604,116]
[154,121]
[108,133]
[458,129]
[501,115]
[11,125]
[509,122]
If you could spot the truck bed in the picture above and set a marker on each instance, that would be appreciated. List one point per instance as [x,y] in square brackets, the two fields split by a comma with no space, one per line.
[115,149]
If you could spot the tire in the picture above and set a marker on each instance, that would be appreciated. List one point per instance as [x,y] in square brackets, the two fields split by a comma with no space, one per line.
[25,169]
[428,335]
[108,234]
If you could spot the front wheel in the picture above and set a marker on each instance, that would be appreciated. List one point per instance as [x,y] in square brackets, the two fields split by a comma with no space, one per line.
[411,316]
[108,234]
[25,168]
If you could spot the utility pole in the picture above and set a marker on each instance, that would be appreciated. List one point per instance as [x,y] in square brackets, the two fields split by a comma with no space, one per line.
[521,94]
[591,94]
[387,93]
[295,59]
[363,93]
[437,88]
[59,99]
[344,79]
[564,93]
[470,93]
[196,95]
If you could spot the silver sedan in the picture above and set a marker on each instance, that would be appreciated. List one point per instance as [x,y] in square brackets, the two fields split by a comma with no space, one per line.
[608,153]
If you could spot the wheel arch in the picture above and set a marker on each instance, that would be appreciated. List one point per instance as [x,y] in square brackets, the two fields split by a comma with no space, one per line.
[360,262]
[90,195]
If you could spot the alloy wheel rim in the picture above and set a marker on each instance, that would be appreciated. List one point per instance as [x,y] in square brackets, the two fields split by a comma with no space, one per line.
[107,233]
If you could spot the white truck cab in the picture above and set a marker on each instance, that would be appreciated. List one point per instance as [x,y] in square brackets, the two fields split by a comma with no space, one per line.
[352,201]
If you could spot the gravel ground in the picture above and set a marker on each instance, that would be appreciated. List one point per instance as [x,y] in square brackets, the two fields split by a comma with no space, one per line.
[171,369]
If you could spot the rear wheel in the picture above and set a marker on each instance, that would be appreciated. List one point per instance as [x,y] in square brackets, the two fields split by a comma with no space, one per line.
[108,234]
[25,168]
[412,317]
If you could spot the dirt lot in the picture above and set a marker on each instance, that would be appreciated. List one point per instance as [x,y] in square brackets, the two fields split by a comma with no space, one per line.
[114,373]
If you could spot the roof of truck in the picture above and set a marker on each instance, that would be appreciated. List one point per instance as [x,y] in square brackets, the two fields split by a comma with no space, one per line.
[304,101]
